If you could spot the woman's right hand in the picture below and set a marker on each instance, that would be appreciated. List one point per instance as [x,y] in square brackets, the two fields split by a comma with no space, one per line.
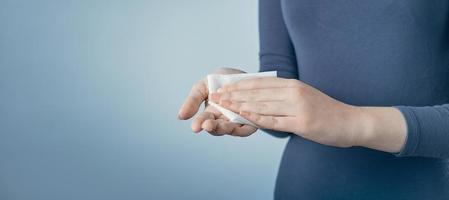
[211,119]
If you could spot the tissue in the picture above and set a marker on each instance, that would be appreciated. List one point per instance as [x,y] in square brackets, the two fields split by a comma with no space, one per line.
[216,81]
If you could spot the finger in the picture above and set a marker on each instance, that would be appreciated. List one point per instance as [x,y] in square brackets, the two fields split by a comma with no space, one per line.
[198,121]
[197,95]
[210,125]
[219,127]
[226,127]
[277,108]
[269,122]
[257,83]
[243,131]
[267,94]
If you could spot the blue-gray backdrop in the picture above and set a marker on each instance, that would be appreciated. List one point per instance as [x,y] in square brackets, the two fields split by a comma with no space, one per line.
[89,92]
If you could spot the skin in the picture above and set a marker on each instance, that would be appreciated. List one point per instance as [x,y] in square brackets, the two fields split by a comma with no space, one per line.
[292,106]
[210,120]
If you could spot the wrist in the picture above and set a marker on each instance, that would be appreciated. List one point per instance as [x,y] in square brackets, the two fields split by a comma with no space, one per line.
[361,127]
[380,128]
[364,131]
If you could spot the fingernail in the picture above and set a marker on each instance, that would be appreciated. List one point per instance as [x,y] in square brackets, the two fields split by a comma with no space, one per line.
[215,97]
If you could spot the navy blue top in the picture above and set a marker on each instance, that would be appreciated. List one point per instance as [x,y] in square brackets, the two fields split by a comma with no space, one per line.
[366,53]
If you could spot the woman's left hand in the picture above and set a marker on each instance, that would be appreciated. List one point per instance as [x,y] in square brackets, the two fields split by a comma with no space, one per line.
[292,106]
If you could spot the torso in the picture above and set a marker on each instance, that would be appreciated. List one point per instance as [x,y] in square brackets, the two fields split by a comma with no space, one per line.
[368,53]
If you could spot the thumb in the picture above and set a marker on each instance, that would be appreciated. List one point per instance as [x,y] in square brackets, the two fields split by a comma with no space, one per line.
[198,94]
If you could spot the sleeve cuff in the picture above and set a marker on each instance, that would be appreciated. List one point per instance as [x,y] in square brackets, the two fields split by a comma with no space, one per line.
[413,132]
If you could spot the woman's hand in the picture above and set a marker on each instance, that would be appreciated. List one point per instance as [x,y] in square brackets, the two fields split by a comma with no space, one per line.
[292,106]
[211,120]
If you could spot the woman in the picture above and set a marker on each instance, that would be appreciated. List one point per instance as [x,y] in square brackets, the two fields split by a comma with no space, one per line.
[363,96]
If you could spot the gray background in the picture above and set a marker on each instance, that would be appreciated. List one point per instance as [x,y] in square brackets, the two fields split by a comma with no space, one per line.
[89,92]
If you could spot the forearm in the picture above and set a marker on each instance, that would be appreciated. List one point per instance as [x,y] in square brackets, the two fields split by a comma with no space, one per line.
[380,128]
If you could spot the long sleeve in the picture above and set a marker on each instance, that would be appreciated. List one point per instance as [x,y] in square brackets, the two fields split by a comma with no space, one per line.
[276,49]
[427,131]
[428,126]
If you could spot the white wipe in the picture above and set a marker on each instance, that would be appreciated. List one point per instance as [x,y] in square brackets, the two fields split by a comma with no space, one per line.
[216,81]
